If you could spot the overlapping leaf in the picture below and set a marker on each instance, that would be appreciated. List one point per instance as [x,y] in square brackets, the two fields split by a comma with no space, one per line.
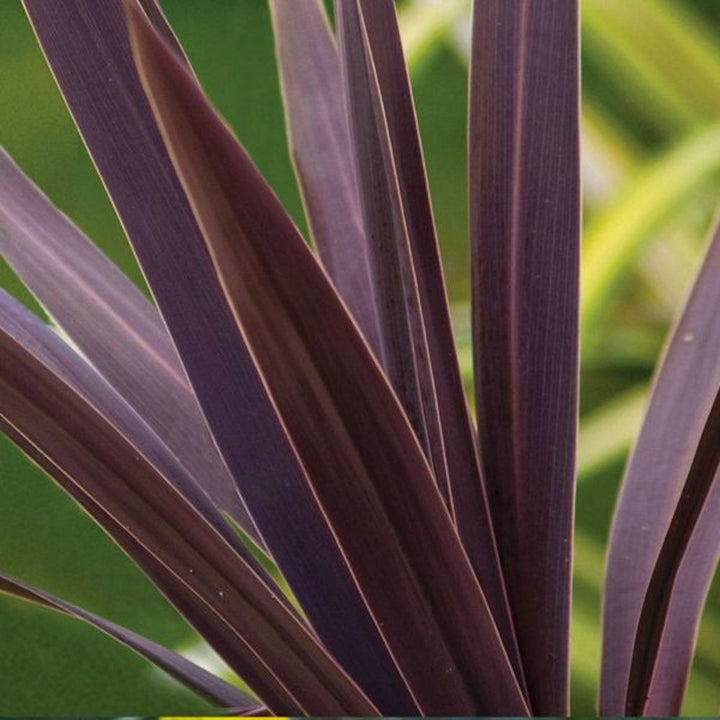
[525,237]
[402,163]
[318,133]
[405,354]
[683,393]
[111,322]
[87,47]
[361,456]
[98,449]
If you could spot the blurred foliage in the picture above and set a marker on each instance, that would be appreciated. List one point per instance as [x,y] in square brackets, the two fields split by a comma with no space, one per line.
[651,175]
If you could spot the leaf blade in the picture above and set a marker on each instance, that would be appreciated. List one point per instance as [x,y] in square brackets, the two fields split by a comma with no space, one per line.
[320,148]
[108,104]
[115,327]
[114,466]
[525,232]
[698,487]
[466,487]
[192,676]
[683,389]
[216,174]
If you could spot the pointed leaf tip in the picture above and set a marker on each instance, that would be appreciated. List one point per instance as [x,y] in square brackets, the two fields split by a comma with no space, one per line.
[343,419]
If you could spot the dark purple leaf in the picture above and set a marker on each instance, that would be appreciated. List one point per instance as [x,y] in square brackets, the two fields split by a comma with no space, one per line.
[405,355]
[466,487]
[525,237]
[184,671]
[114,325]
[701,479]
[320,147]
[98,449]
[683,392]
[362,458]
[87,47]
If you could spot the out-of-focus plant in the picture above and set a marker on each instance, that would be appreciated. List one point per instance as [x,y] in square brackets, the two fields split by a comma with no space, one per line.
[315,403]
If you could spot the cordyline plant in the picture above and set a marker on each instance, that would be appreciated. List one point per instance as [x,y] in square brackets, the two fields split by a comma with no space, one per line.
[315,402]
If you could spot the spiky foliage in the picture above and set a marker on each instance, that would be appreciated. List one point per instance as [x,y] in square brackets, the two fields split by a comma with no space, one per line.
[315,400]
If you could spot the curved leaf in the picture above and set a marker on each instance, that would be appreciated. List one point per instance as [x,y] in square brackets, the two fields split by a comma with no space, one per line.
[93,66]
[684,388]
[703,475]
[114,326]
[186,672]
[361,456]
[108,459]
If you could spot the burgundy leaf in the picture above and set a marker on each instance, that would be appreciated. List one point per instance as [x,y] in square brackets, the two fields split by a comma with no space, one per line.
[88,50]
[320,148]
[701,479]
[98,449]
[685,386]
[525,237]
[405,355]
[114,325]
[466,487]
[361,456]
[184,671]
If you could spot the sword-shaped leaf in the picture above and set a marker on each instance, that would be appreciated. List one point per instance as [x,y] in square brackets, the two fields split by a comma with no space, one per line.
[192,676]
[703,476]
[361,455]
[465,485]
[110,461]
[405,354]
[320,147]
[114,326]
[525,239]
[683,392]
[94,68]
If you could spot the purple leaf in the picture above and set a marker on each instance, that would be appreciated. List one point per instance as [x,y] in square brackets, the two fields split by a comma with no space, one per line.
[320,147]
[683,392]
[97,448]
[114,325]
[525,237]
[362,458]
[405,355]
[701,479]
[87,47]
[466,487]
[184,671]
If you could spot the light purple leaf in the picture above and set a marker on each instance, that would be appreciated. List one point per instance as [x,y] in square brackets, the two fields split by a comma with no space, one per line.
[320,147]
[113,325]
[87,47]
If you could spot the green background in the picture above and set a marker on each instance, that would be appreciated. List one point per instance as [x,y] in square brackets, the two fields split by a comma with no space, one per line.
[651,74]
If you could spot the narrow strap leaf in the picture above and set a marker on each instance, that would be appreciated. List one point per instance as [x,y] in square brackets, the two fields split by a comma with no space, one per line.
[525,238]
[93,66]
[703,476]
[192,676]
[362,458]
[683,392]
[405,354]
[96,443]
[466,487]
[115,327]
[320,147]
